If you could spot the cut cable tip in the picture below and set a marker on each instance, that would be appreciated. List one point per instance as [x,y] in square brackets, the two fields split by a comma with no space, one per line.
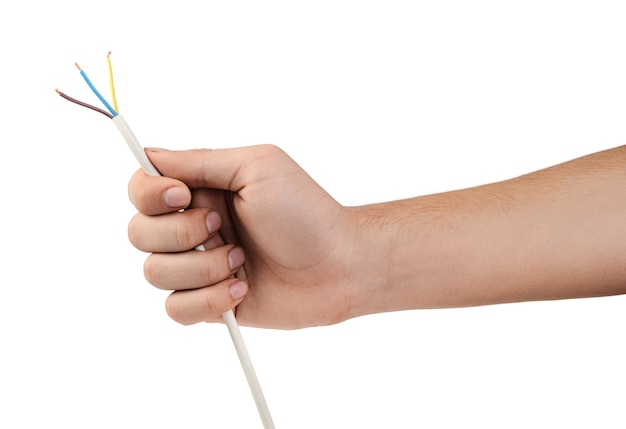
[78,67]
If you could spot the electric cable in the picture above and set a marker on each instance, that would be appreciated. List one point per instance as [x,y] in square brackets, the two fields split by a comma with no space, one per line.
[140,155]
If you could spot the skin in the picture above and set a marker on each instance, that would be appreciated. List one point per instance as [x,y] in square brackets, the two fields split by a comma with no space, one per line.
[286,255]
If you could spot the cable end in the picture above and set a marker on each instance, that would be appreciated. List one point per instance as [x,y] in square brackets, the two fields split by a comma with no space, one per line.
[109,54]
[78,67]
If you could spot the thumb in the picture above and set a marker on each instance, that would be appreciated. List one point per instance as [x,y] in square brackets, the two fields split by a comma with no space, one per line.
[227,169]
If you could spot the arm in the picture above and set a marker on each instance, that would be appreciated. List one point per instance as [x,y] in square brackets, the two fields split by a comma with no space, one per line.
[553,234]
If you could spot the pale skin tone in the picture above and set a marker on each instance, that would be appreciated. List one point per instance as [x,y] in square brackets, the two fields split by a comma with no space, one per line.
[286,255]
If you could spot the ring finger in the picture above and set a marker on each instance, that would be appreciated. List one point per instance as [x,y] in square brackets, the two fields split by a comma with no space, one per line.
[193,269]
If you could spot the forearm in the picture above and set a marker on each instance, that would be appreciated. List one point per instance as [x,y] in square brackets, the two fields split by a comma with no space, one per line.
[553,234]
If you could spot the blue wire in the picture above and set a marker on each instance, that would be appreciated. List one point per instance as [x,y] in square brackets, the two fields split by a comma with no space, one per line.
[95,91]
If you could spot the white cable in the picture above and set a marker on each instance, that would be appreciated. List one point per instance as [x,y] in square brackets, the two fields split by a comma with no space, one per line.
[229,316]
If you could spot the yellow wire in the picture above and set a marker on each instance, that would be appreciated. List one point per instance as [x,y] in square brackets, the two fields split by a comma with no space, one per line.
[111,83]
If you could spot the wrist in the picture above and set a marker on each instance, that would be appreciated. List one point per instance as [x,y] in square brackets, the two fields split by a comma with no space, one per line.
[389,256]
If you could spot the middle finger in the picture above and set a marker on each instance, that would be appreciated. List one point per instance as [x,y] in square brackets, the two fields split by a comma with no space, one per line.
[173,232]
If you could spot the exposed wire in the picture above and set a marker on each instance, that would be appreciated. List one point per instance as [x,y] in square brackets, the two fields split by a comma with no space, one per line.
[95,91]
[111,85]
[81,103]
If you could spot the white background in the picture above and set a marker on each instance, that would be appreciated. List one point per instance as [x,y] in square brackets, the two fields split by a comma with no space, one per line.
[377,101]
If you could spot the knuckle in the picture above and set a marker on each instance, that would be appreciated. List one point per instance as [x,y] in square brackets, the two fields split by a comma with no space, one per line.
[133,232]
[208,307]
[138,194]
[269,148]
[217,266]
[188,230]
[175,311]
[151,271]
[133,188]
[183,235]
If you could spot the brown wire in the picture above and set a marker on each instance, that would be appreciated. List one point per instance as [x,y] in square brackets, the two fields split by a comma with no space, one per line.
[89,106]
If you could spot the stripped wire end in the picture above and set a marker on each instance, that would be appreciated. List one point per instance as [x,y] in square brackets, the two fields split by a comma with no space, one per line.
[111,111]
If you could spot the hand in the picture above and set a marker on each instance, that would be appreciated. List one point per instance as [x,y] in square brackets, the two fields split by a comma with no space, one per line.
[553,234]
[295,238]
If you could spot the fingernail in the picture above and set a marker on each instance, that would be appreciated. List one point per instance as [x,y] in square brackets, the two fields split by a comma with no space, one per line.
[156,149]
[238,290]
[235,258]
[213,222]
[176,197]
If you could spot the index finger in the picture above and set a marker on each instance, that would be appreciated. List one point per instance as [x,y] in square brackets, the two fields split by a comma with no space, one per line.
[154,195]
